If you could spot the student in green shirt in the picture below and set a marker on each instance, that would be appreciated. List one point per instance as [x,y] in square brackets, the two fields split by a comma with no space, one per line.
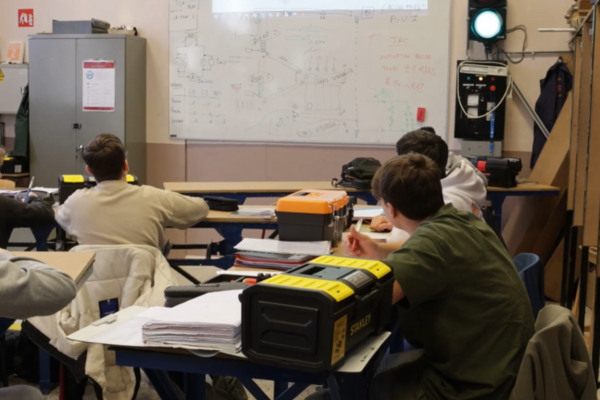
[459,294]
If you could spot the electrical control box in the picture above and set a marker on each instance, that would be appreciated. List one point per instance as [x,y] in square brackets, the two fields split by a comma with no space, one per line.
[481,87]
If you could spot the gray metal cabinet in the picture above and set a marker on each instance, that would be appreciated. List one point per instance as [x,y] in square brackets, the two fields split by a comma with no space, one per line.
[59,128]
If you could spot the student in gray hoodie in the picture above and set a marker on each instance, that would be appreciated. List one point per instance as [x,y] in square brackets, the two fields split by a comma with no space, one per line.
[29,288]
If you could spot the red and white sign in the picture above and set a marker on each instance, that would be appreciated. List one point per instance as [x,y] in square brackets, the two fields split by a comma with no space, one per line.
[26,18]
[99,86]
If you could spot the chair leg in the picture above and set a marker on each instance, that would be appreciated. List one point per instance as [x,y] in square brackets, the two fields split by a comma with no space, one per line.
[45,379]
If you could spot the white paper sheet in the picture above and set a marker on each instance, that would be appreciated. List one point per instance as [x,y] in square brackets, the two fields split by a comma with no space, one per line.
[374,235]
[249,273]
[367,212]
[281,247]
[98,86]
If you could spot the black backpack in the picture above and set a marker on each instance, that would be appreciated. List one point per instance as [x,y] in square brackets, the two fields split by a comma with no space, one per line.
[358,173]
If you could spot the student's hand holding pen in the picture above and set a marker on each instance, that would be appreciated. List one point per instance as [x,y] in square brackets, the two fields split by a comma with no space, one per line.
[359,245]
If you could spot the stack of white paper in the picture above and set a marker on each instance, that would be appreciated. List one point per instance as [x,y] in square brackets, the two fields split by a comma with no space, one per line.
[368,213]
[212,321]
[45,190]
[256,212]
[282,247]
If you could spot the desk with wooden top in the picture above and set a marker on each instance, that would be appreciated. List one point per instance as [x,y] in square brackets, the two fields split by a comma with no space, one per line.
[78,265]
[15,177]
[230,226]
[243,190]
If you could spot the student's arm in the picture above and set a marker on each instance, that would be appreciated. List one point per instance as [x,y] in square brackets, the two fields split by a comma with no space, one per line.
[367,247]
[29,288]
[381,224]
[398,293]
[36,213]
[181,211]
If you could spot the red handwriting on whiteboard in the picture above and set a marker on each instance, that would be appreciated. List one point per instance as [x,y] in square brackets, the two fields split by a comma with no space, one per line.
[396,56]
[412,86]
[419,69]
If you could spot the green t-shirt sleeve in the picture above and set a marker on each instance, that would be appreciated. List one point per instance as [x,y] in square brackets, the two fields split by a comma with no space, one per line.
[419,268]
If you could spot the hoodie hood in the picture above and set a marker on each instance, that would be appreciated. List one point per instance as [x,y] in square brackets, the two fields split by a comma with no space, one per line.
[463,185]
[456,162]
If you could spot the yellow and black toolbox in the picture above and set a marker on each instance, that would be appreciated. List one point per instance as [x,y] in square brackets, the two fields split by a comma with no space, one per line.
[69,184]
[310,317]
[313,215]
[15,165]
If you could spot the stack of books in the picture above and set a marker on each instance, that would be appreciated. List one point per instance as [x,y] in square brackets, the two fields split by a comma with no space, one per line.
[282,262]
[278,254]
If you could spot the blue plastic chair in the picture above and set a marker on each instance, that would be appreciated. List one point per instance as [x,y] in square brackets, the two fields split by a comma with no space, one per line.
[531,271]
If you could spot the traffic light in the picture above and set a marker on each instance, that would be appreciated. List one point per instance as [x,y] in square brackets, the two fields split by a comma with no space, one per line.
[487,21]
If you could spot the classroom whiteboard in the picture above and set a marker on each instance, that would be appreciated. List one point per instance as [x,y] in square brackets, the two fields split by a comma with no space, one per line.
[272,71]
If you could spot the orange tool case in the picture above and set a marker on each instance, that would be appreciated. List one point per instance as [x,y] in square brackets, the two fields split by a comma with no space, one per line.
[313,215]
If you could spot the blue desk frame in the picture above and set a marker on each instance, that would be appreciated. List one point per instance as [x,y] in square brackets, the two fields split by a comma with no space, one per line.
[497,200]
[343,386]
[232,234]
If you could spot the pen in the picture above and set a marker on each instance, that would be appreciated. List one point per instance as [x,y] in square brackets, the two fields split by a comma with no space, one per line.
[29,189]
[357,228]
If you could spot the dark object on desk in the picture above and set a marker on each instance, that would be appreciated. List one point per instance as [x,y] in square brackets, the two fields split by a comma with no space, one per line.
[175,295]
[69,184]
[221,203]
[358,173]
[310,317]
[15,165]
[500,172]
[79,27]
[312,215]
[352,201]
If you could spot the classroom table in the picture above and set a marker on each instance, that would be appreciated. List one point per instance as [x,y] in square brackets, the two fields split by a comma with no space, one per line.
[243,190]
[497,195]
[230,226]
[15,177]
[350,381]
[155,362]
[79,266]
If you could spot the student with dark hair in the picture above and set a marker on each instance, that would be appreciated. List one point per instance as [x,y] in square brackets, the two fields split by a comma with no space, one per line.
[116,213]
[17,214]
[462,184]
[458,293]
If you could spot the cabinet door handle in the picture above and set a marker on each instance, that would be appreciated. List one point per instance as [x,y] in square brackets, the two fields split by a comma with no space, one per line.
[78,149]
[76,126]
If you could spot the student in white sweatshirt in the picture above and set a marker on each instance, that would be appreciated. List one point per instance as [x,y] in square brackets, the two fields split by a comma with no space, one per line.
[463,185]
[116,213]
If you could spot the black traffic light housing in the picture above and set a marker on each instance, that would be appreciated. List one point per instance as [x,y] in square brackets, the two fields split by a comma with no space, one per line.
[490,8]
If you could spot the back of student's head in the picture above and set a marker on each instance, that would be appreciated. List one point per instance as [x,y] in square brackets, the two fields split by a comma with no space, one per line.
[411,183]
[105,157]
[425,141]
